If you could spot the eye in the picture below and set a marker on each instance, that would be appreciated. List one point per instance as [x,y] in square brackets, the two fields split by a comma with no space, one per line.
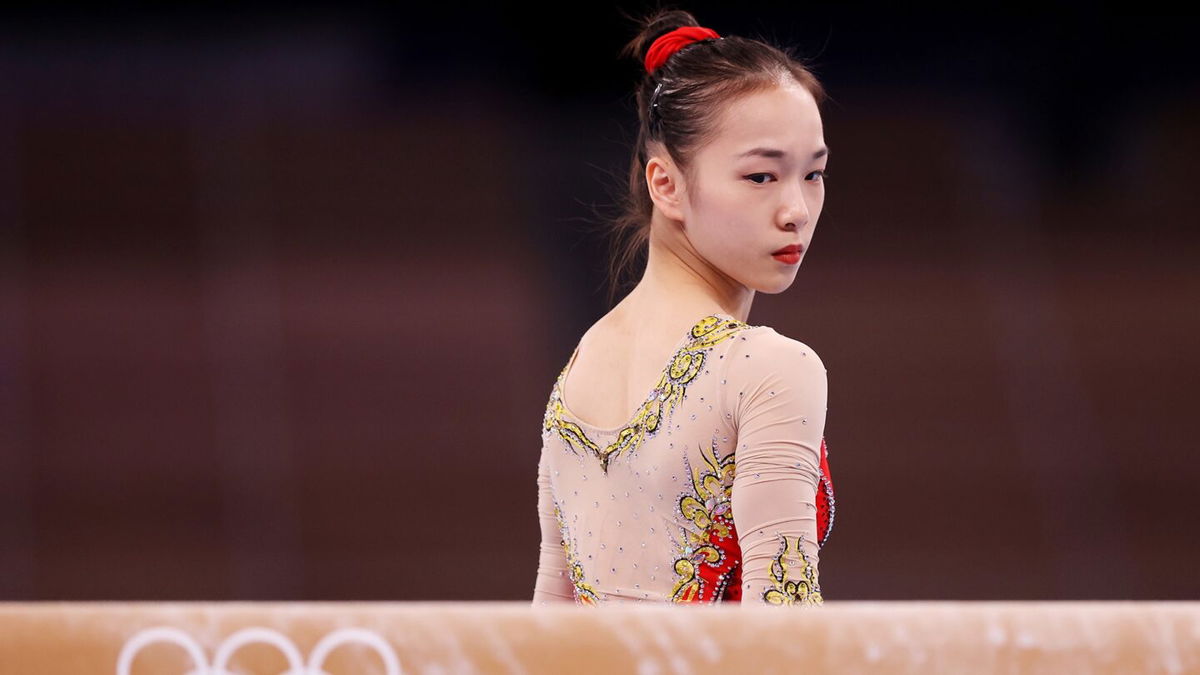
[823,174]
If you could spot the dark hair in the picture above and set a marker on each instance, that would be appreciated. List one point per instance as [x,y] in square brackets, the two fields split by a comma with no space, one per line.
[698,82]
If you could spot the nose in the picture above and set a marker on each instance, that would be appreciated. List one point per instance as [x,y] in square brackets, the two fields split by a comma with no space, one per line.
[795,214]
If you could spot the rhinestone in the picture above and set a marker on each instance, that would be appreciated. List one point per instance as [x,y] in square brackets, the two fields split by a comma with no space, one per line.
[602,545]
[596,504]
[803,420]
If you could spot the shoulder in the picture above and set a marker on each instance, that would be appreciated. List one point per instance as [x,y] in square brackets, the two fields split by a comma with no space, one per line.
[773,350]
[764,362]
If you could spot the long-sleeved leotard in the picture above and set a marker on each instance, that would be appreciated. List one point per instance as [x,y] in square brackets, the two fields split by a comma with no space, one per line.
[716,490]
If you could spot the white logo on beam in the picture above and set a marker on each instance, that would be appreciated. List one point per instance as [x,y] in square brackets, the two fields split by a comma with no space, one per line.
[225,651]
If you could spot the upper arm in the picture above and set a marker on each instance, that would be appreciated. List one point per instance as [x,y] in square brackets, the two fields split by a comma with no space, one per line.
[777,391]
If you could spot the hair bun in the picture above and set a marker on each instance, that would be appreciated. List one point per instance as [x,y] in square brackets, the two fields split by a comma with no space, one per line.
[671,42]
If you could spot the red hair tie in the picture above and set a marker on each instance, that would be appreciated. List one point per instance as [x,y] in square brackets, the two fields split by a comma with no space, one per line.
[669,43]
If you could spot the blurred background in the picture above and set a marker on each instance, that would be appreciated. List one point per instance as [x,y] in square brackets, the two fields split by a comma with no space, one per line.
[283,294]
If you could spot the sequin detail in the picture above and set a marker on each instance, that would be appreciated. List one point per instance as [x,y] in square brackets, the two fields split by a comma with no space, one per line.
[684,366]
[708,569]
[794,581]
[825,502]
[585,594]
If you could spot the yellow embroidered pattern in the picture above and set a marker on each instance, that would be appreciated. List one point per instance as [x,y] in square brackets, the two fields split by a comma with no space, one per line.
[708,558]
[793,583]
[585,594]
[685,365]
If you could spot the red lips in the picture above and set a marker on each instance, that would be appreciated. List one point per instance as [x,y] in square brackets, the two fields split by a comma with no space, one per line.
[790,248]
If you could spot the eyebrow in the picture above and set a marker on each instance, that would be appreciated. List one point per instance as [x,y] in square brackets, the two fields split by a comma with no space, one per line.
[774,153]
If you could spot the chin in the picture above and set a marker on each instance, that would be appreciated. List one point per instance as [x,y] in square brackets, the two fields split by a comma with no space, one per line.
[775,288]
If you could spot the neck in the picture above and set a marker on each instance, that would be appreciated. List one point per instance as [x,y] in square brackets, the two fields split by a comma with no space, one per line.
[679,286]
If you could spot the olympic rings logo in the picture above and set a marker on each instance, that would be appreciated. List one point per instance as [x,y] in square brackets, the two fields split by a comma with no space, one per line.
[225,651]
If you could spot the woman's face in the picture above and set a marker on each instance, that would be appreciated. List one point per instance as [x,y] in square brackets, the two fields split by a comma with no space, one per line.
[759,186]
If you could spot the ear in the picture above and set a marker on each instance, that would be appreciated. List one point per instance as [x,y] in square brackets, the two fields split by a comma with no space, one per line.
[665,182]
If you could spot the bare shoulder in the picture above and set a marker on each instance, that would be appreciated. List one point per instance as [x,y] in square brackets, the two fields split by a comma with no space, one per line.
[608,333]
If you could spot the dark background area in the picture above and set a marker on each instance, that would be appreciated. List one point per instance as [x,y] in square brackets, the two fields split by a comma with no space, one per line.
[283,292]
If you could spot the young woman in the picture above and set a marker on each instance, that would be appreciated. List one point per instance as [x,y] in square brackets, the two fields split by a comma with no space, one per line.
[683,455]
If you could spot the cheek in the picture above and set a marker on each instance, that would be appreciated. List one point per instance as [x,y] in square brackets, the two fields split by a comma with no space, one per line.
[726,238]
[724,229]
